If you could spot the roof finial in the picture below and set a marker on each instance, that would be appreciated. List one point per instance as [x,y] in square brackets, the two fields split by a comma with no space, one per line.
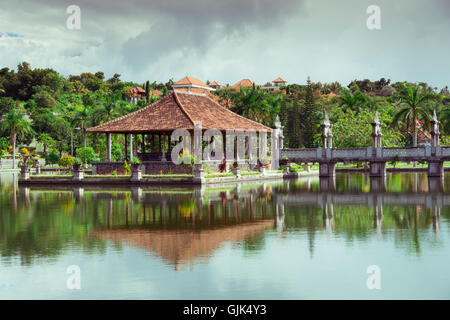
[326,120]
[277,122]
[376,120]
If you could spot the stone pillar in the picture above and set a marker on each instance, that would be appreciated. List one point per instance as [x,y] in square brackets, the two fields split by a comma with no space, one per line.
[131,147]
[136,172]
[435,134]
[38,168]
[376,132]
[199,174]
[78,173]
[163,145]
[377,169]
[25,173]
[435,168]
[327,136]
[327,169]
[108,147]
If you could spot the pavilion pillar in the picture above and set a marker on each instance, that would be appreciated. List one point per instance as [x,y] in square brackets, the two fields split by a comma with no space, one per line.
[164,148]
[126,146]
[159,142]
[108,147]
[131,147]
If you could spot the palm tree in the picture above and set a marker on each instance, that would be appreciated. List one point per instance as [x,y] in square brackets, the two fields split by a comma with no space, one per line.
[349,100]
[250,104]
[82,118]
[413,106]
[14,122]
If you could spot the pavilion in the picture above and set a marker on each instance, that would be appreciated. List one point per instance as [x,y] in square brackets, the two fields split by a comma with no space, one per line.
[147,132]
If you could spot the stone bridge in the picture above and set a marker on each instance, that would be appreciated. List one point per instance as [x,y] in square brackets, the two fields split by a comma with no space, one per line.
[376,155]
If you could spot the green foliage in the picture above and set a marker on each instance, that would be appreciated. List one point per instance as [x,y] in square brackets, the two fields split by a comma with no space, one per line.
[6,105]
[126,167]
[66,161]
[136,161]
[86,155]
[52,158]
[353,130]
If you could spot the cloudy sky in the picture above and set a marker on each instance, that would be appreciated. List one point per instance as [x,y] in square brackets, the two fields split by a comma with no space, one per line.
[227,40]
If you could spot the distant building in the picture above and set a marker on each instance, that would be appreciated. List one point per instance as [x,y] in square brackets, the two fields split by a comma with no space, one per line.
[190,84]
[279,82]
[215,85]
[135,94]
[243,83]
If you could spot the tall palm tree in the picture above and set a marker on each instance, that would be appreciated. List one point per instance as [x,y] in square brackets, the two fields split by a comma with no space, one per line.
[250,104]
[412,107]
[82,118]
[14,122]
[349,100]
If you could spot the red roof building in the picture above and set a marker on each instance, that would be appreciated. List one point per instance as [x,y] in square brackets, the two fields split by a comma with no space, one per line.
[243,83]
[215,85]
[279,82]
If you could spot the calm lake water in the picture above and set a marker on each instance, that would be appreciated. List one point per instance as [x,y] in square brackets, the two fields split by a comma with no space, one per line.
[285,240]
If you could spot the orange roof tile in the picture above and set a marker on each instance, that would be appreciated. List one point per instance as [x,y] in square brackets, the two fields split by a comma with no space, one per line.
[215,83]
[156,93]
[190,81]
[136,91]
[243,83]
[279,80]
[179,110]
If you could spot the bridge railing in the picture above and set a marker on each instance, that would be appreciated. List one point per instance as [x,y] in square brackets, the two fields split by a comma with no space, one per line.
[404,152]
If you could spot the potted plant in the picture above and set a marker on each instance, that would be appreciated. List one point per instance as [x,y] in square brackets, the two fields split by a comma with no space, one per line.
[126,167]
[267,160]
[77,164]
[136,164]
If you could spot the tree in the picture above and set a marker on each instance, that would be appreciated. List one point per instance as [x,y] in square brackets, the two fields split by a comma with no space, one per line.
[86,155]
[413,106]
[46,141]
[6,105]
[14,122]
[66,161]
[82,118]
[349,100]
[308,121]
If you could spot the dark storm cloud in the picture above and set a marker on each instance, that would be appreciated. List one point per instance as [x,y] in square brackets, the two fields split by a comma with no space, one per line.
[186,26]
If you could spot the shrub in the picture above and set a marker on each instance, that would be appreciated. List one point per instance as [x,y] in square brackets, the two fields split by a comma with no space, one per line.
[52,158]
[126,167]
[66,161]
[136,161]
[86,155]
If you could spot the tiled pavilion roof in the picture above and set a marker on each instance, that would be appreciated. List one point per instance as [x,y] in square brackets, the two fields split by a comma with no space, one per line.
[243,83]
[179,110]
[279,80]
[215,83]
[136,91]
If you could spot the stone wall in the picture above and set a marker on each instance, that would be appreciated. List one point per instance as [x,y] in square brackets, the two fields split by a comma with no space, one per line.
[149,167]
[168,167]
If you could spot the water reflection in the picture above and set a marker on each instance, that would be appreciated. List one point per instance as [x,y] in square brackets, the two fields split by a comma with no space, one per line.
[187,226]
